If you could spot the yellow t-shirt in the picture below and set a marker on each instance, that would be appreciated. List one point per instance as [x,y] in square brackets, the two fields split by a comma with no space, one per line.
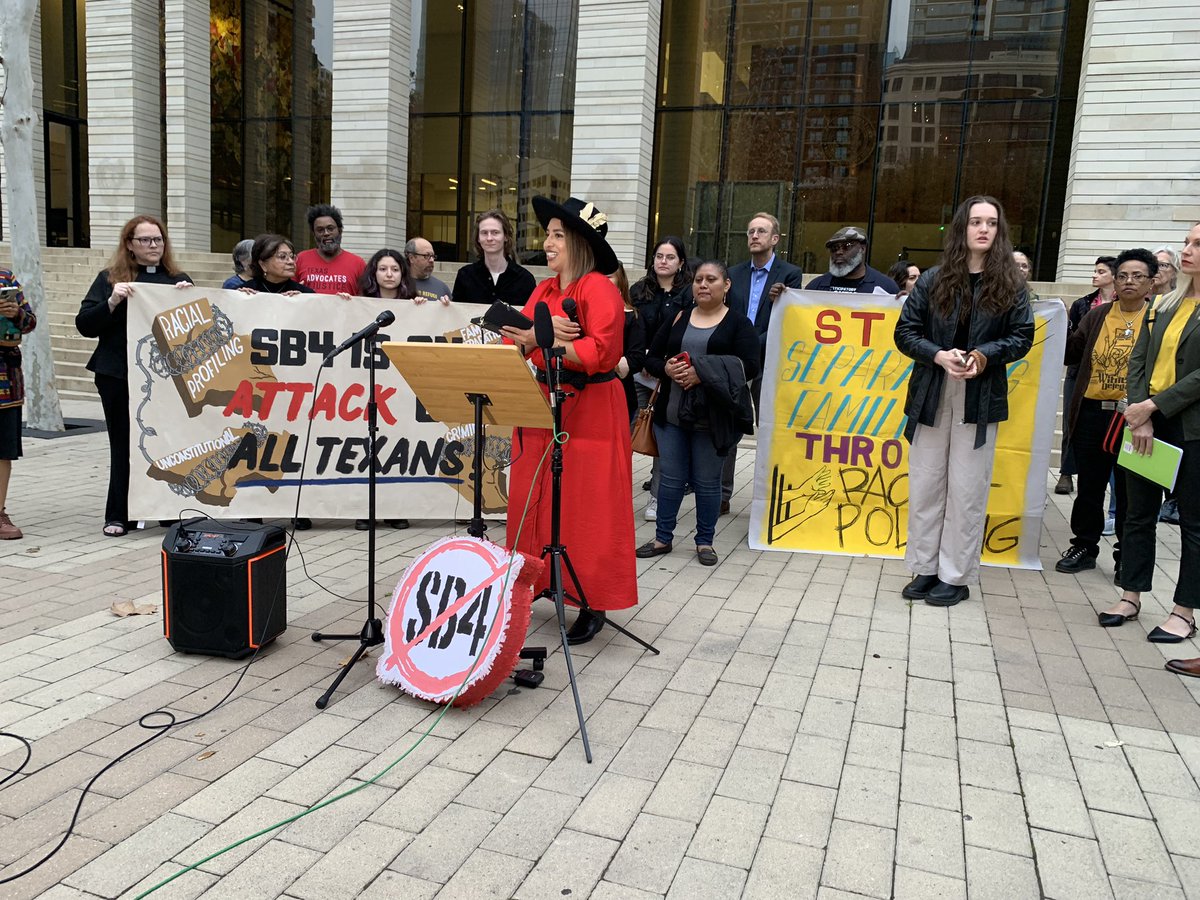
[1163,375]
[1110,354]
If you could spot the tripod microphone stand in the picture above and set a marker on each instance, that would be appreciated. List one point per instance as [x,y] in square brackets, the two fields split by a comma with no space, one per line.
[556,552]
[372,630]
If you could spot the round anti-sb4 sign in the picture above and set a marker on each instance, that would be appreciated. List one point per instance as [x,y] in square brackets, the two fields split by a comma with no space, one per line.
[459,614]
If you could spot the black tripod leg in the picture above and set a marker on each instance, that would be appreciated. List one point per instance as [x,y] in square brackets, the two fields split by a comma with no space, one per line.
[323,701]
[560,607]
[583,604]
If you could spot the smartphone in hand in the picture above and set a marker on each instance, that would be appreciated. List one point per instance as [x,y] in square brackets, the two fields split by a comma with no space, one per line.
[683,357]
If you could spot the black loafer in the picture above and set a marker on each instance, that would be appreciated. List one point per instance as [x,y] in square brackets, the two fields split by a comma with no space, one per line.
[302,524]
[362,524]
[585,627]
[396,523]
[947,594]
[707,556]
[919,587]
[648,550]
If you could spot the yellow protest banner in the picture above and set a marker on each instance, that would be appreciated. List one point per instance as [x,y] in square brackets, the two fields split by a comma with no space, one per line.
[831,473]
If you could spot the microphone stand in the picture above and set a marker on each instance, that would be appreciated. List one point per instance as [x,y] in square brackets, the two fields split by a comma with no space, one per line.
[372,630]
[556,551]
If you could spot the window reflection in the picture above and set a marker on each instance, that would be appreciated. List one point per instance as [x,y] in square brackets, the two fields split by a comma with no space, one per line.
[516,62]
[271,144]
[687,179]
[891,112]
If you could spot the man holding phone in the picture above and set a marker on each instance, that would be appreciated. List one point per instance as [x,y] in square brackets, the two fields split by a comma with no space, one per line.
[16,319]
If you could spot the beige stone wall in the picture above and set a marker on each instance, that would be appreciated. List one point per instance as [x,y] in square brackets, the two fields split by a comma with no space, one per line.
[124,114]
[189,130]
[370,119]
[1134,168]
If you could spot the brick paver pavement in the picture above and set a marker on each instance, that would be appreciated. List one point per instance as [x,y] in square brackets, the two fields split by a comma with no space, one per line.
[804,733]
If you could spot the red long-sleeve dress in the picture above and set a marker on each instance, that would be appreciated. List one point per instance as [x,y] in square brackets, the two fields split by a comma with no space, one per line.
[597,480]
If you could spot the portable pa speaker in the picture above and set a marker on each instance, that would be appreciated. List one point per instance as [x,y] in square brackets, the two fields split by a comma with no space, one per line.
[224,586]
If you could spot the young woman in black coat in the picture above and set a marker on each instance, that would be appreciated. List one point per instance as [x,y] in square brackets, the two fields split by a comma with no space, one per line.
[963,323]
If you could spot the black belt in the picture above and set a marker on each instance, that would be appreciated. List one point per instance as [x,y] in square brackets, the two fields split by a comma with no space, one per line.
[577,379]
[1110,405]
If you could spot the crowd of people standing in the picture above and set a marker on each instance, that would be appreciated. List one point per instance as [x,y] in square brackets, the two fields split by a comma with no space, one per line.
[689,338]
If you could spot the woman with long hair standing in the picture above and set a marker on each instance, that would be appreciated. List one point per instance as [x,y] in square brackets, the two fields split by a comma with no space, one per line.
[143,256]
[963,323]
[658,298]
[597,488]
[1164,403]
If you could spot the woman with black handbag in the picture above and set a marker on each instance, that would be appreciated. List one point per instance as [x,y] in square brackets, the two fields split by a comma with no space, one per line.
[1099,348]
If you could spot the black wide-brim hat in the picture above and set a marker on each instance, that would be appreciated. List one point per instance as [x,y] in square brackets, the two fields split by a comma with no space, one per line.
[584,219]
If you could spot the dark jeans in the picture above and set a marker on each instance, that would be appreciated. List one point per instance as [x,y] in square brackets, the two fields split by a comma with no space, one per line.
[1145,499]
[1095,470]
[687,457]
[114,397]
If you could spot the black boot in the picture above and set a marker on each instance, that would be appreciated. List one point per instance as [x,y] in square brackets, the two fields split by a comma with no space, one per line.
[585,627]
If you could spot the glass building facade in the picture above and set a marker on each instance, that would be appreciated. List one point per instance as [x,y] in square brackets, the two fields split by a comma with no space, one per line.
[272,106]
[879,113]
[886,115]
[491,116]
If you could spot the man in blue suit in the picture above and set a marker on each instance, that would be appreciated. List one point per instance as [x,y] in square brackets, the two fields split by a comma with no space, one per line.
[756,285]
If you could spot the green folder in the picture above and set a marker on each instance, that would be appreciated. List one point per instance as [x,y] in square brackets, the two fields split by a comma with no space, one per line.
[1161,466]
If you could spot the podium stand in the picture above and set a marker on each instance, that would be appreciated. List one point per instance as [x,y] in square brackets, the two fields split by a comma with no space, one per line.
[488,384]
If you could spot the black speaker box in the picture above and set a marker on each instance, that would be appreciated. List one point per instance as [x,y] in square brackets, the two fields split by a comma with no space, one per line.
[224,586]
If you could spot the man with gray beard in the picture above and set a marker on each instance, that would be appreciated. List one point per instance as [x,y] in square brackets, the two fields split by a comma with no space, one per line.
[848,269]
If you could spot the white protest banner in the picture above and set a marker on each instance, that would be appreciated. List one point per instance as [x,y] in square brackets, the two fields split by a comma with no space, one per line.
[223,387]
[831,474]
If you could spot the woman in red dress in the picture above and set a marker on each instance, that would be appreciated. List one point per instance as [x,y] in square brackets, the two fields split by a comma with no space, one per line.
[597,479]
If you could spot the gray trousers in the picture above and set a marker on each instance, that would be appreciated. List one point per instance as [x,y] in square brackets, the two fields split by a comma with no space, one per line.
[949,481]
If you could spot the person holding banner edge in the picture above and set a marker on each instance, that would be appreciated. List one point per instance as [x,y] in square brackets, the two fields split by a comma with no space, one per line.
[964,322]
[143,256]
[597,478]
[1164,404]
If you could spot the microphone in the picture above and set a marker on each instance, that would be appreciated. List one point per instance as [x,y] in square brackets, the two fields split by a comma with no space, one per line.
[571,308]
[543,325]
[387,317]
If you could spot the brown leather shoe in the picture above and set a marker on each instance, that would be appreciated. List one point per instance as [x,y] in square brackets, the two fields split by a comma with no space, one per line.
[8,531]
[1190,667]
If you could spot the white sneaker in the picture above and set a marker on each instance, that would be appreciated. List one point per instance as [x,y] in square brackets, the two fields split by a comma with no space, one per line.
[1110,526]
[651,513]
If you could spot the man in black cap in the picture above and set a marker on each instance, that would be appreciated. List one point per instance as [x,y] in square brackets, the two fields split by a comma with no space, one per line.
[848,269]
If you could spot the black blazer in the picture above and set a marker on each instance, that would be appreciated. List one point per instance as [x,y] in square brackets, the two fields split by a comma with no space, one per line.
[739,294]
[96,320]
[1182,399]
